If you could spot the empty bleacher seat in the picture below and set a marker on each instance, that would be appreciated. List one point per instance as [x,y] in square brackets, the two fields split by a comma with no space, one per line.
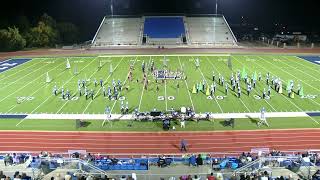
[209,30]
[118,31]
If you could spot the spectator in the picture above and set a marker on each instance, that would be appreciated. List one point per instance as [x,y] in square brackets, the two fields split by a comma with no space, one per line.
[196,177]
[192,160]
[215,165]
[17,177]
[162,161]
[7,160]
[25,177]
[185,177]
[67,177]
[211,177]
[114,161]
[90,157]
[199,160]
[219,176]
[189,177]
[15,159]
[123,177]
[183,145]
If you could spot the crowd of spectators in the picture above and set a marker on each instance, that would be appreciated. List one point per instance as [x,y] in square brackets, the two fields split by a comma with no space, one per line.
[16,176]
[192,159]
[219,176]
[14,159]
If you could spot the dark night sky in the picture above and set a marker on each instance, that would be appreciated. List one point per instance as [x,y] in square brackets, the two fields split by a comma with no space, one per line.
[87,14]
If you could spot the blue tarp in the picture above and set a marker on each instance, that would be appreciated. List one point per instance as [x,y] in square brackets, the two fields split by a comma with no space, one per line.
[164,27]
[11,63]
[313,59]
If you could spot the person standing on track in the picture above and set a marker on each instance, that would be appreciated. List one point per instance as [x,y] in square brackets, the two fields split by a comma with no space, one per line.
[183,145]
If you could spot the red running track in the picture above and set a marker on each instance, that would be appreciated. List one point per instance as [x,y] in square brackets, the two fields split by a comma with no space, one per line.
[161,142]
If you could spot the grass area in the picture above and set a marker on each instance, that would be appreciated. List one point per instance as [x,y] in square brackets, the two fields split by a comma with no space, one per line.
[96,125]
[27,83]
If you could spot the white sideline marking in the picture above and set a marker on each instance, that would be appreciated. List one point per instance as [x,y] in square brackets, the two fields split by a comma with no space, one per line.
[185,81]
[208,86]
[129,116]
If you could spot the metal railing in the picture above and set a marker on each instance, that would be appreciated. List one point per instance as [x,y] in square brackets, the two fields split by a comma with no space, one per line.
[80,167]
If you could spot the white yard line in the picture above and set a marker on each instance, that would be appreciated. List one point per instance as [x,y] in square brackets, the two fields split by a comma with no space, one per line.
[298,69]
[31,71]
[285,97]
[308,62]
[34,92]
[19,70]
[76,91]
[289,73]
[141,95]
[208,84]
[47,98]
[126,78]
[27,83]
[185,81]
[101,87]
[53,95]
[256,90]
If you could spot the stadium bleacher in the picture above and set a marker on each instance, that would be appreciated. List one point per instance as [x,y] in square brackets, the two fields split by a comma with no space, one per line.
[210,30]
[164,27]
[164,30]
[253,165]
[118,31]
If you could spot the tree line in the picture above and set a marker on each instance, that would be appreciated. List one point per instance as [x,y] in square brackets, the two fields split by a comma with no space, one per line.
[46,32]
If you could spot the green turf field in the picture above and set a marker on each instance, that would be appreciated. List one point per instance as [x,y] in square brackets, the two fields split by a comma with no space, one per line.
[96,125]
[28,83]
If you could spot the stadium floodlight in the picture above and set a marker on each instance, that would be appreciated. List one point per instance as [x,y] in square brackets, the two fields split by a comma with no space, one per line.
[216,6]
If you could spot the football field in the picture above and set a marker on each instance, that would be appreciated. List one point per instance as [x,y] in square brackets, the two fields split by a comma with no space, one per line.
[24,89]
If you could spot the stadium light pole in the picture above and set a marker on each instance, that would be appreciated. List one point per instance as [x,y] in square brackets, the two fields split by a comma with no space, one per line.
[216,6]
[111,9]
